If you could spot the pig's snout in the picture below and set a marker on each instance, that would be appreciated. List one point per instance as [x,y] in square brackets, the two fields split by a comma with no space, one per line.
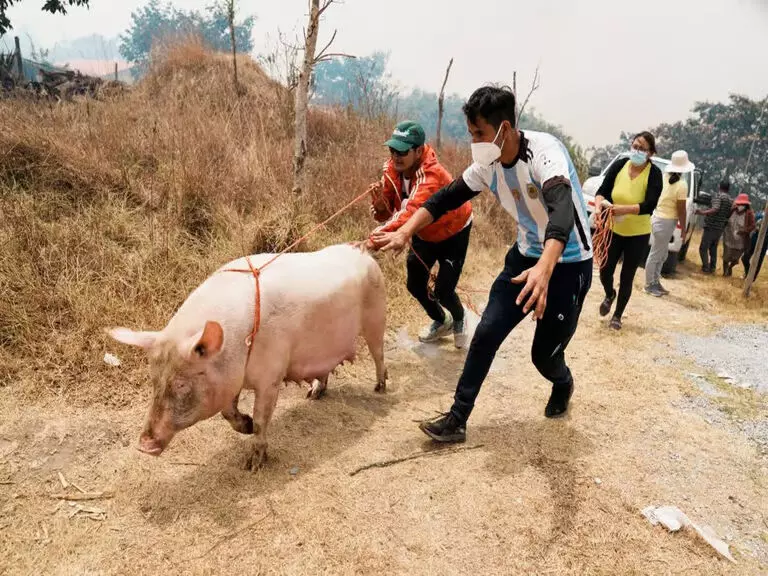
[150,445]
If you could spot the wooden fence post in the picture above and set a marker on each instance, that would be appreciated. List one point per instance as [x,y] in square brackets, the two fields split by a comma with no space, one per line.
[19,62]
[758,250]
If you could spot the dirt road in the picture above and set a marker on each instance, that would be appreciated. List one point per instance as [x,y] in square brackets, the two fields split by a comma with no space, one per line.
[539,496]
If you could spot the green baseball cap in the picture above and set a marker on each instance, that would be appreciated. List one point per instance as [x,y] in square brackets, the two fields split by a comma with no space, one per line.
[406,135]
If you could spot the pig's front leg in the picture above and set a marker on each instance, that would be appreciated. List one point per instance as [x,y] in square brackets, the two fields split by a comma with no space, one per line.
[263,406]
[240,422]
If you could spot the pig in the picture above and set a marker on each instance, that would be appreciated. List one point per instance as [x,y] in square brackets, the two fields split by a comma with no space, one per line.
[313,307]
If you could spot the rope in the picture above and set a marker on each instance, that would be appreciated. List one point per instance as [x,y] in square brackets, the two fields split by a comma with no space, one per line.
[601,239]
[256,272]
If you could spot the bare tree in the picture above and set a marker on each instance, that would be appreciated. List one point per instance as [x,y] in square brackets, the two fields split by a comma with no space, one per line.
[514,91]
[534,86]
[231,15]
[440,102]
[316,10]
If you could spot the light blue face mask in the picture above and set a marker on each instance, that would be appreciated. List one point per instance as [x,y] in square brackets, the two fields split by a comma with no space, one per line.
[637,157]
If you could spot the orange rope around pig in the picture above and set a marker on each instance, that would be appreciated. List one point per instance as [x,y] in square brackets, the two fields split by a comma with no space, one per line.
[257,271]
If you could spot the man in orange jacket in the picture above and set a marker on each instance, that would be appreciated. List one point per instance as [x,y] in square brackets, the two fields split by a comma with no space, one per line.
[411,176]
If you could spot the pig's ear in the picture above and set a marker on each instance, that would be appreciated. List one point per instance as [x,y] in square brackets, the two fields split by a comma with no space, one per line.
[131,337]
[208,342]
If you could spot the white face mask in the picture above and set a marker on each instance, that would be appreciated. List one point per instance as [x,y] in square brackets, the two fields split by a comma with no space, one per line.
[486,153]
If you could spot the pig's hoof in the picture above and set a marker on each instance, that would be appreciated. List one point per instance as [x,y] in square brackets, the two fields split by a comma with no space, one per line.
[381,387]
[256,459]
[317,390]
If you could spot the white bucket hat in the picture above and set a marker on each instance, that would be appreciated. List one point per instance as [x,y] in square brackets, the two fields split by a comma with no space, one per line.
[680,163]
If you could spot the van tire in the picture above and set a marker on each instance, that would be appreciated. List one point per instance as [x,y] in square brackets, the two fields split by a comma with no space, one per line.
[683,252]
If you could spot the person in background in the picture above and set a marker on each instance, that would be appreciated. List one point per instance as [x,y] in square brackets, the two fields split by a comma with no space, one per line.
[670,212]
[632,187]
[412,174]
[737,231]
[714,224]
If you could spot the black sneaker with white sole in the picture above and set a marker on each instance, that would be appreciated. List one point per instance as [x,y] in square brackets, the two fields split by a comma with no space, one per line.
[445,428]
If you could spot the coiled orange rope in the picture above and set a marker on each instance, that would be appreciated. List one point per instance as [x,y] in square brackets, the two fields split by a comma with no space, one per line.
[601,239]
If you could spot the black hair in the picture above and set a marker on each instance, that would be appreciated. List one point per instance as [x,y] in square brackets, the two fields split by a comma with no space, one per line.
[493,103]
[674,177]
[648,137]
[725,186]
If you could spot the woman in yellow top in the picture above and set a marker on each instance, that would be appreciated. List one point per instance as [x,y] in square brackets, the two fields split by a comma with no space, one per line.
[632,185]
[670,210]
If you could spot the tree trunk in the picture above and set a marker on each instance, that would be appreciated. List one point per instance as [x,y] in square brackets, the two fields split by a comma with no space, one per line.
[302,97]
[231,14]
[517,102]
[440,101]
[758,250]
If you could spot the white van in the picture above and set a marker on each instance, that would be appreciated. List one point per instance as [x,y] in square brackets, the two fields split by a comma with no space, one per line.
[678,244]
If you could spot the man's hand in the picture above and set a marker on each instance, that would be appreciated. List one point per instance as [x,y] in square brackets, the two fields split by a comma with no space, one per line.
[535,290]
[378,203]
[386,241]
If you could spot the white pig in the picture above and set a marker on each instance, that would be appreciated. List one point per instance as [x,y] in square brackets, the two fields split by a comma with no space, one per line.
[313,307]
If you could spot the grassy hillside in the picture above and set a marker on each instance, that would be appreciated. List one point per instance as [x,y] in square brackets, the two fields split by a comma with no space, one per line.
[112,211]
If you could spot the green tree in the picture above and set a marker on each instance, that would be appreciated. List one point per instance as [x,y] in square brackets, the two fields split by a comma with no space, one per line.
[602,155]
[724,139]
[52,6]
[156,21]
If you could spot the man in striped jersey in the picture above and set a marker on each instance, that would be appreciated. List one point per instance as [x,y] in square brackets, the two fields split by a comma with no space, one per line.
[411,176]
[548,270]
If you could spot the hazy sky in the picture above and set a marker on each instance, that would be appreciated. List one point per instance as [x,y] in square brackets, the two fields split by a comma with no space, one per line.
[606,65]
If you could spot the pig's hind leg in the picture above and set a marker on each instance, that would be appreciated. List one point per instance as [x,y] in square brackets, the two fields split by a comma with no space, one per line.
[240,422]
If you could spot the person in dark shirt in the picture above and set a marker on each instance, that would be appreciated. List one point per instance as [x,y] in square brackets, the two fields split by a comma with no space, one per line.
[714,224]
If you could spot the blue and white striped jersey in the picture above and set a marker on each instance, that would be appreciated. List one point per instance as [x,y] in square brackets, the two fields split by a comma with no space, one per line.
[519,190]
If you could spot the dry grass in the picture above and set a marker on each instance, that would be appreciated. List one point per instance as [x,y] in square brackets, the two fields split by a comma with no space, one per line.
[113,211]
[526,502]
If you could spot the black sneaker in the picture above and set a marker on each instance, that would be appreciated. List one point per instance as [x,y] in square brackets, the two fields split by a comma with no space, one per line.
[558,401]
[615,323]
[605,306]
[445,428]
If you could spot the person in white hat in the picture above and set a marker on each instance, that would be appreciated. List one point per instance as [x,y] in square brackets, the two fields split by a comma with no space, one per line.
[670,210]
